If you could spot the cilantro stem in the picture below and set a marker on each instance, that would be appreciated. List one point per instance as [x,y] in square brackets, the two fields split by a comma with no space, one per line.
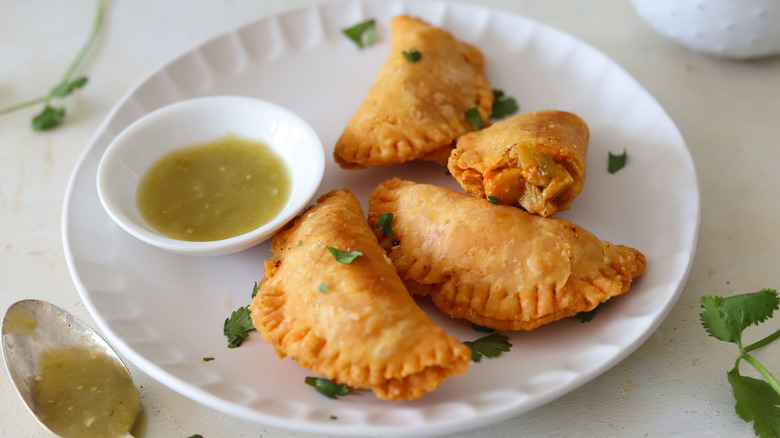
[770,379]
[763,342]
[21,105]
[96,23]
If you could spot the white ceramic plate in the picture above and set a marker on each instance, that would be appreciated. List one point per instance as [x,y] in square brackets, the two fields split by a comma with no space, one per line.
[165,312]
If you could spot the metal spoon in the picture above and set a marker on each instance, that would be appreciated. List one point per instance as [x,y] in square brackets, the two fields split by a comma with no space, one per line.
[33,328]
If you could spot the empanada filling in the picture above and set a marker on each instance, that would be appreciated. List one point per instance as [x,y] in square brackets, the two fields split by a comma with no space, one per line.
[540,176]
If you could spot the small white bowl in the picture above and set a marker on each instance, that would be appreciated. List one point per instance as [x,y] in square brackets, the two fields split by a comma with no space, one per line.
[743,29]
[200,120]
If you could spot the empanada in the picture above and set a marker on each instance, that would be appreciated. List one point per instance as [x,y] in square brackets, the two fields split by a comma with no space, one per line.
[416,108]
[535,160]
[497,266]
[354,323]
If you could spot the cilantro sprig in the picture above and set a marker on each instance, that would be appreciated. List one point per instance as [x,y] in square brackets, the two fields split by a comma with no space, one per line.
[385,222]
[326,387]
[238,326]
[489,346]
[345,257]
[473,116]
[412,55]
[503,105]
[726,319]
[363,34]
[52,116]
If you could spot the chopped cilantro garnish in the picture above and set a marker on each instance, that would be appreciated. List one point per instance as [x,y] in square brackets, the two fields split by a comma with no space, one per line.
[412,55]
[238,326]
[385,223]
[208,359]
[323,287]
[479,328]
[300,242]
[488,346]
[195,436]
[725,319]
[344,256]
[48,118]
[473,116]
[493,200]
[587,316]
[503,106]
[617,162]
[333,417]
[326,387]
[254,290]
[363,34]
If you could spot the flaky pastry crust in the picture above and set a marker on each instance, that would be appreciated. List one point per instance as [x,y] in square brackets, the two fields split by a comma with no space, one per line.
[354,323]
[497,266]
[417,110]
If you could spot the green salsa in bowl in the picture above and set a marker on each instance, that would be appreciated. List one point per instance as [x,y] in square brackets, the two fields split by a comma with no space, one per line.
[212,175]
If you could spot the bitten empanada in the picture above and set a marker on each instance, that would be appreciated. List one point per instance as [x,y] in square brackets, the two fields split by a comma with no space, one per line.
[497,266]
[417,108]
[354,323]
[535,160]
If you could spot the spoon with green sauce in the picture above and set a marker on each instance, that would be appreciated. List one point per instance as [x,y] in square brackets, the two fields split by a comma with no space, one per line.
[68,376]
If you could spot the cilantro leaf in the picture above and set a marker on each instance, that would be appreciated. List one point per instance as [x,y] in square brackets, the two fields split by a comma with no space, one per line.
[503,106]
[385,223]
[208,359]
[473,116]
[323,287]
[587,316]
[326,387]
[345,257]
[493,200]
[757,402]
[488,346]
[238,326]
[50,117]
[479,328]
[412,55]
[616,162]
[254,290]
[363,34]
[726,318]
[300,242]
[67,87]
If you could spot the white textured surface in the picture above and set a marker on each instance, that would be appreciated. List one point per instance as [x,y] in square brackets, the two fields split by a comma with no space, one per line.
[558,72]
[672,385]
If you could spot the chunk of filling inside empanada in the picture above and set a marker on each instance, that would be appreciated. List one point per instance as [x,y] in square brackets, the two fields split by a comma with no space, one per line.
[416,110]
[352,321]
[535,160]
[497,266]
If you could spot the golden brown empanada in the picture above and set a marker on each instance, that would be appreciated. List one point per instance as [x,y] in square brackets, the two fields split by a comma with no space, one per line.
[535,160]
[497,266]
[416,108]
[354,323]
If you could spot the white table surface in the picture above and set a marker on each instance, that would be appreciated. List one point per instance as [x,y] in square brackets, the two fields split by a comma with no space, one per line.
[673,385]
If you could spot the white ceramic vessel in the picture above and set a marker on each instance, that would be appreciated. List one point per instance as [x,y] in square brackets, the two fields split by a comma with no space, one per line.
[738,29]
[199,120]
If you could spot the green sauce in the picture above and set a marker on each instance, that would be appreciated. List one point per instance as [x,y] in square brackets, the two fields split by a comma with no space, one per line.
[213,191]
[84,393]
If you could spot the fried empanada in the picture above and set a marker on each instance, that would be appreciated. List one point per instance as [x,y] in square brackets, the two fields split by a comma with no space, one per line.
[353,322]
[497,266]
[417,108]
[535,160]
